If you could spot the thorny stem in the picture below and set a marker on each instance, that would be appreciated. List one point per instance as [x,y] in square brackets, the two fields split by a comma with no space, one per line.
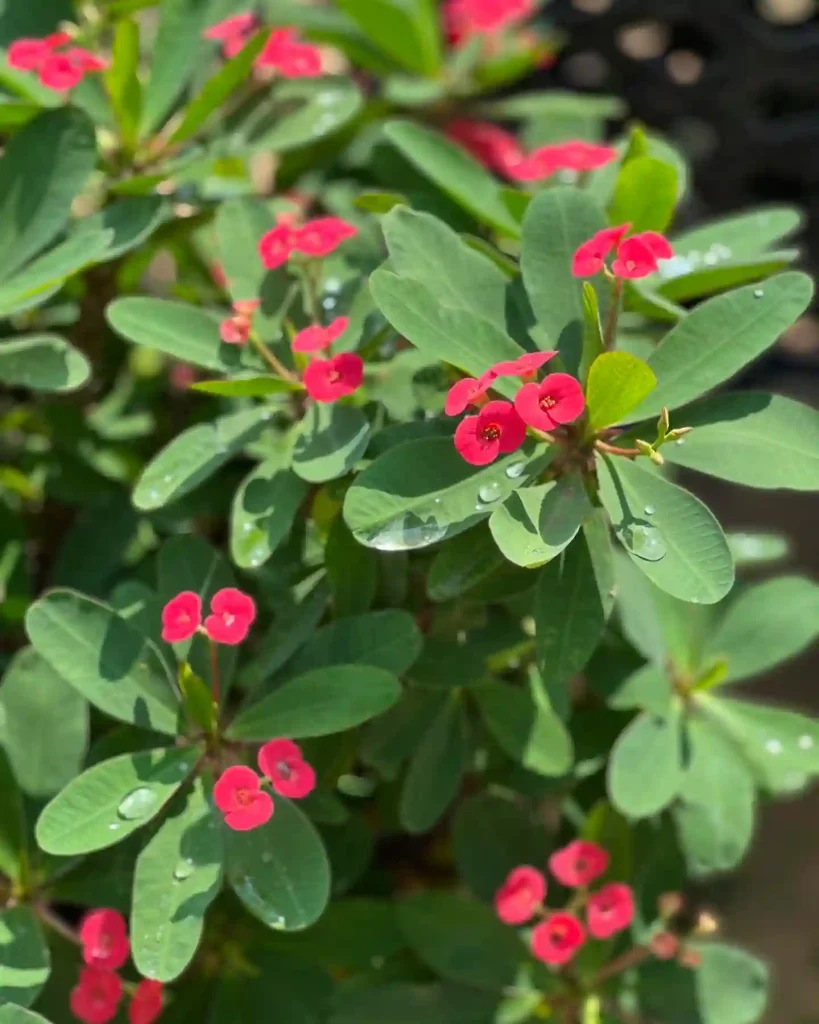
[270,359]
[614,312]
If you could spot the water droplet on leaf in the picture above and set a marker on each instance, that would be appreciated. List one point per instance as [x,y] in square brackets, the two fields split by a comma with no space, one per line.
[644,541]
[649,510]
[490,492]
[138,804]
[773,746]
[184,869]
[758,293]
[805,742]
[680,440]
[515,470]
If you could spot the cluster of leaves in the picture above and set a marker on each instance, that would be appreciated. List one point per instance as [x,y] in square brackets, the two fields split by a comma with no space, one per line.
[481,663]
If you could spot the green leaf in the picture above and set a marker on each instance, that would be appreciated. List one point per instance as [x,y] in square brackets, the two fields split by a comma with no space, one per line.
[190,563]
[454,172]
[13,830]
[715,816]
[122,80]
[491,835]
[300,113]
[782,747]
[436,769]
[176,51]
[25,961]
[45,729]
[647,689]
[720,336]
[194,456]
[331,440]
[593,340]
[679,281]
[230,76]
[406,30]
[426,249]
[535,524]
[280,871]
[462,941]
[128,221]
[609,829]
[768,623]
[388,639]
[618,383]
[42,362]
[323,701]
[176,329]
[756,548]
[272,977]
[466,560]
[750,438]
[526,728]
[391,738]
[108,802]
[352,571]
[11,1014]
[457,336]
[292,628]
[263,511]
[645,195]
[44,167]
[245,387]
[108,661]
[741,233]
[405,1003]
[645,768]
[572,603]
[669,534]
[557,221]
[178,875]
[422,492]
[732,985]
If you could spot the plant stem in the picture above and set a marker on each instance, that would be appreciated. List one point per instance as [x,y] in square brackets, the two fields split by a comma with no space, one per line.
[611,449]
[610,333]
[631,958]
[271,360]
[48,917]
[214,672]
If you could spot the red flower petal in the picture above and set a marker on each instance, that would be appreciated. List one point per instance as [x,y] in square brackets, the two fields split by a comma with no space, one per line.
[495,430]
[181,617]
[321,236]
[590,256]
[495,148]
[258,811]
[234,781]
[610,910]
[327,380]
[657,243]
[579,863]
[558,399]
[146,1003]
[520,895]
[635,259]
[229,28]
[316,337]
[232,616]
[60,73]
[95,998]
[27,54]
[281,761]
[557,939]
[235,330]
[524,365]
[276,246]
[104,938]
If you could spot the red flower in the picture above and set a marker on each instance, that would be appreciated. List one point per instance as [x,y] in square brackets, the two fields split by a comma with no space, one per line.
[664,945]
[520,895]
[464,18]
[289,56]
[316,337]
[525,366]
[290,774]
[581,156]
[327,380]
[589,259]
[492,146]
[95,998]
[579,863]
[85,59]
[146,1002]
[58,71]
[556,940]
[181,617]
[610,910]
[276,246]
[232,33]
[539,164]
[104,938]
[238,796]
[556,400]
[321,236]
[232,615]
[468,392]
[637,256]
[235,330]
[28,54]
[496,430]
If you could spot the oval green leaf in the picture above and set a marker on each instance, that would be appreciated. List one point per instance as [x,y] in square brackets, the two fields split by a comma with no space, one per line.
[645,767]
[618,382]
[42,362]
[331,440]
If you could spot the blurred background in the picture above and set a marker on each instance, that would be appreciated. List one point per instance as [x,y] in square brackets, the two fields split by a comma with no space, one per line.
[735,85]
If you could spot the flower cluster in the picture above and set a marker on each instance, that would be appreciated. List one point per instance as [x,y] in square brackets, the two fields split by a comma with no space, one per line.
[238,792]
[235,330]
[560,933]
[500,426]
[327,380]
[283,52]
[317,238]
[500,151]
[96,997]
[464,19]
[57,68]
[232,614]
[635,257]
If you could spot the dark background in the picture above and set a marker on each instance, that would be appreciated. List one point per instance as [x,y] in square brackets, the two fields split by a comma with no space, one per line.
[735,84]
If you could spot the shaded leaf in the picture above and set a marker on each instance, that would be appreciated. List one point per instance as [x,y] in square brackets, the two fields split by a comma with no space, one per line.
[645,767]
[526,729]
[435,769]
[42,362]
[331,440]
[25,961]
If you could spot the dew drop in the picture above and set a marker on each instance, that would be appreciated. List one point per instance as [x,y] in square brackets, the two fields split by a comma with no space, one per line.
[649,510]
[167,478]
[644,541]
[773,746]
[183,870]
[805,742]
[139,803]
[407,532]
[490,492]
[515,470]
[267,857]
[114,827]
[758,293]
[680,440]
